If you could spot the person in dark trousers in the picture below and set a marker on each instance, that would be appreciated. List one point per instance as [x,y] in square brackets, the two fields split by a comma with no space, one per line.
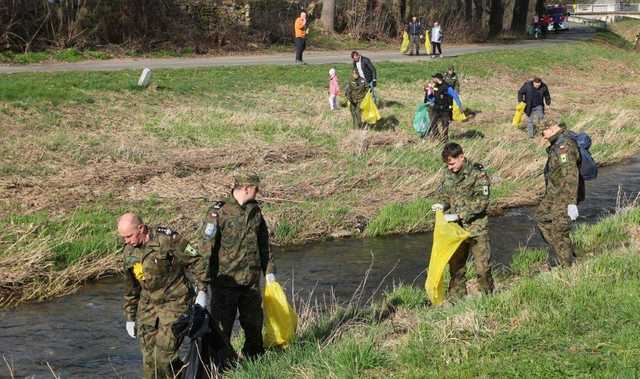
[436,40]
[535,94]
[367,71]
[414,30]
[440,97]
[300,29]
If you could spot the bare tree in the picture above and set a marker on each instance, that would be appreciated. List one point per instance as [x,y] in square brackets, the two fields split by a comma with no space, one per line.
[328,15]
[520,16]
[496,18]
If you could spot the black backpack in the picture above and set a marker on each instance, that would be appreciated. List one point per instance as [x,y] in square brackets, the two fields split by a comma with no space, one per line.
[588,166]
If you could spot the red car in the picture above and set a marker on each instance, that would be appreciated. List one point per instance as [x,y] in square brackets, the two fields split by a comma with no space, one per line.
[556,16]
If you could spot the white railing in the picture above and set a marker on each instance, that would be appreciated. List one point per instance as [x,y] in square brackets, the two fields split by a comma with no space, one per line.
[606,8]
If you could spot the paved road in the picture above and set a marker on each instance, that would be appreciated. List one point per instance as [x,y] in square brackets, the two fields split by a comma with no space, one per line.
[578,33]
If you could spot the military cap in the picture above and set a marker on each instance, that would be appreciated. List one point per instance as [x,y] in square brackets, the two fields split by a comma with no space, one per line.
[246,179]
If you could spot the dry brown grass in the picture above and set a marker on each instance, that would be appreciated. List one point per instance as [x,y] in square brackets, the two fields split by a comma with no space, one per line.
[28,274]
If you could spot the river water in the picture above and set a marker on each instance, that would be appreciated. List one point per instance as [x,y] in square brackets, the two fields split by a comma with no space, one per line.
[83,335]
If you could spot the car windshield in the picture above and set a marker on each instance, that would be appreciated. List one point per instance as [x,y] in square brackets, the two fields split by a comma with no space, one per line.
[555,12]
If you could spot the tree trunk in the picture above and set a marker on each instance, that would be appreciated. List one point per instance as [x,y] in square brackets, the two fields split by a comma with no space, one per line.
[328,15]
[468,10]
[478,12]
[520,16]
[496,17]
[540,7]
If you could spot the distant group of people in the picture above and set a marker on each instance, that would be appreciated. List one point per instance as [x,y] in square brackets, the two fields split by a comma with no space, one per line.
[418,31]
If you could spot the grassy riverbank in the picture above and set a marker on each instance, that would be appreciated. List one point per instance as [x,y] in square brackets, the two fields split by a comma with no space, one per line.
[577,322]
[79,148]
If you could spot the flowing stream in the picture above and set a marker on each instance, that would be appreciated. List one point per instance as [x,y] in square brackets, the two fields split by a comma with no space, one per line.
[83,335]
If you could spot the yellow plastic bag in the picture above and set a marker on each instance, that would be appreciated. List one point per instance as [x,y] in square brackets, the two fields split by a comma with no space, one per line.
[517,118]
[447,237]
[280,320]
[404,47]
[457,114]
[427,43]
[370,114]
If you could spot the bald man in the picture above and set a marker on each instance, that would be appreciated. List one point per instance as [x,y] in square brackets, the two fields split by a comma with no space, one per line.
[156,261]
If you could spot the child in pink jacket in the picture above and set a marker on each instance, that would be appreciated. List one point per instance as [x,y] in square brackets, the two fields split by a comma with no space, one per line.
[334,89]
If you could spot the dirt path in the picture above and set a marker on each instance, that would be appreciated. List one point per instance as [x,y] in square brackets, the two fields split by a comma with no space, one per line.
[318,57]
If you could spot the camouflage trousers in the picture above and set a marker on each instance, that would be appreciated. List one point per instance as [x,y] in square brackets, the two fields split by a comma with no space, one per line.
[159,346]
[227,302]
[356,115]
[480,249]
[555,227]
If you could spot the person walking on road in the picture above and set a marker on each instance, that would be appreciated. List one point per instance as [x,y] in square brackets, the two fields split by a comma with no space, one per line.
[464,195]
[300,30]
[235,234]
[535,94]
[158,263]
[415,33]
[367,71]
[564,189]
[436,39]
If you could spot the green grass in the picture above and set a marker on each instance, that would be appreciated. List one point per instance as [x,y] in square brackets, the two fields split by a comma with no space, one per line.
[86,231]
[577,322]
[402,218]
[64,55]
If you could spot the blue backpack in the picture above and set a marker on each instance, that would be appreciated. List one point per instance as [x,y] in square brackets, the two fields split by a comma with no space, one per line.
[588,166]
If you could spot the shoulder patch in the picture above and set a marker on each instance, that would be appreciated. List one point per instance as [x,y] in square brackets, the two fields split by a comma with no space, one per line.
[190,250]
[563,157]
[166,231]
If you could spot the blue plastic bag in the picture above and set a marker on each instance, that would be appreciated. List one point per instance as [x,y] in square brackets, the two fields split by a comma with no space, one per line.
[421,120]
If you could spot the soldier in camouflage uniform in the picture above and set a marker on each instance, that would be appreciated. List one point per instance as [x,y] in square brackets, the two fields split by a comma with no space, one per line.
[156,261]
[451,78]
[235,234]
[355,93]
[464,195]
[564,189]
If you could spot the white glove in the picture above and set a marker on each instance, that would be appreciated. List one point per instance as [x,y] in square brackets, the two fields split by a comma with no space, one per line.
[572,211]
[437,207]
[202,299]
[451,218]
[270,278]
[131,328]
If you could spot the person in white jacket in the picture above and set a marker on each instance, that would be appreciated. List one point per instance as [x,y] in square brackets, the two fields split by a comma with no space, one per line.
[436,39]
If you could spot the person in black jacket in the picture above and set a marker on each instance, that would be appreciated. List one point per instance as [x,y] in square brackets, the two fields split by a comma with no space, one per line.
[415,32]
[535,94]
[367,71]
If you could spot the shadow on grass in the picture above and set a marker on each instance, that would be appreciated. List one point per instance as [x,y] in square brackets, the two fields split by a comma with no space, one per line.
[389,103]
[387,123]
[469,134]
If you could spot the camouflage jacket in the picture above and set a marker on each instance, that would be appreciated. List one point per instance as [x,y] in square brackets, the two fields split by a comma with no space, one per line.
[156,273]
[561,173]
[356,91]
[452,80]
[466,194]
[237,238]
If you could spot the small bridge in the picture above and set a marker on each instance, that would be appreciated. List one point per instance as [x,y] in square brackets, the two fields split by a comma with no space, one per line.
[611,11]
